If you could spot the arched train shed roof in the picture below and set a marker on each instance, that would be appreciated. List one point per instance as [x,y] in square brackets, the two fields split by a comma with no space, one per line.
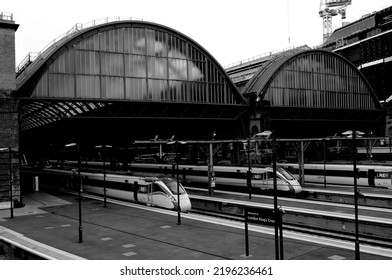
[314,85]
[126,61]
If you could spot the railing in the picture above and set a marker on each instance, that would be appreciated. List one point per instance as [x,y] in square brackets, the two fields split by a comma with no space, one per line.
[6,16]
[264,55]
[76,28]
[26,62]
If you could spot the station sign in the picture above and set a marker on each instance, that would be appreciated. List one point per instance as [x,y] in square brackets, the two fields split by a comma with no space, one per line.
[265,216]
[262,216]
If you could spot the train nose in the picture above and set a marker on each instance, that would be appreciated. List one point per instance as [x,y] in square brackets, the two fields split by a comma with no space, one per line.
[185,204]
[295,187]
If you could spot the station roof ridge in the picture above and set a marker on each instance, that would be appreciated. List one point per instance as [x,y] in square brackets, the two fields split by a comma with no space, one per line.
[264,73]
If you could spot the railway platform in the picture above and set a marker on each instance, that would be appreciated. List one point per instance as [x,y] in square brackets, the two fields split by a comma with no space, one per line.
[48,227]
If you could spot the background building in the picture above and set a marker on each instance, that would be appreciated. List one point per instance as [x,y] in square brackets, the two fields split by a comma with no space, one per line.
[367,43]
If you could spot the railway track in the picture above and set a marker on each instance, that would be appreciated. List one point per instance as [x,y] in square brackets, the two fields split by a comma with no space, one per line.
[366,196]
[312,230]
[329,219]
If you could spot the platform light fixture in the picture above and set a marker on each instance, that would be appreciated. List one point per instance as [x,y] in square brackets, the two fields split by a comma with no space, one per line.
[266,134]
[70,145]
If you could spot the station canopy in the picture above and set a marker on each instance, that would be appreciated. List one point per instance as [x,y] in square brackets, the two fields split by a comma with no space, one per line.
[125,69]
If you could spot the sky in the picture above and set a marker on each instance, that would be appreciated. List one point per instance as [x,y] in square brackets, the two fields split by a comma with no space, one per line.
[230,30]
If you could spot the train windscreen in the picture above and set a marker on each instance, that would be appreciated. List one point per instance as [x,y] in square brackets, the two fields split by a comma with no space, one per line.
[172,185]
[285,173]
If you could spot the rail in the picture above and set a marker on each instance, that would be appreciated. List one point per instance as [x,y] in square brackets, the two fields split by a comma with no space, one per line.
[369,240]
[32,56]
[265,55]
[374,232]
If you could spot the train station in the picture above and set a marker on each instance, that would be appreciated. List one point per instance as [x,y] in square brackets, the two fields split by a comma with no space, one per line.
[119,96]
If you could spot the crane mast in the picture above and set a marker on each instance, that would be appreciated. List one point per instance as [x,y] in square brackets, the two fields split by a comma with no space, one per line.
[328,9]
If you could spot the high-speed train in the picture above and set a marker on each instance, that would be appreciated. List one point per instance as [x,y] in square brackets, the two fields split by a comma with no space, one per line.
[343,174]
[262,177]
[159,191]
[234,176]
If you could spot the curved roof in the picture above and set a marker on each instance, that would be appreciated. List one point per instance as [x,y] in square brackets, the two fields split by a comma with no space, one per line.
[47,57]
[126,60]
[316,78]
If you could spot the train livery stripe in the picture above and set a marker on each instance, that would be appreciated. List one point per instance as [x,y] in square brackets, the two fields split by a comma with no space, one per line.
[334,173]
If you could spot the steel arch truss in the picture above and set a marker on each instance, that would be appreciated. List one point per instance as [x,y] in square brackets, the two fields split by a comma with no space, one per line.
[35,113]
[41,112]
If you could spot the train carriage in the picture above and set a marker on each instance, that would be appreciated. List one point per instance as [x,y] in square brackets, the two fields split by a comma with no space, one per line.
[159,191]
[343,174]
[262,177]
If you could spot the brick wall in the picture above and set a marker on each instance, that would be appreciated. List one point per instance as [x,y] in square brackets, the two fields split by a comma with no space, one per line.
[9,116]
[7,56]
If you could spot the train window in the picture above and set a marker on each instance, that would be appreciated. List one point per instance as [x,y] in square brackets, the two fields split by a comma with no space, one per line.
[172,185]
[156,187]
[286,174]
[269,175]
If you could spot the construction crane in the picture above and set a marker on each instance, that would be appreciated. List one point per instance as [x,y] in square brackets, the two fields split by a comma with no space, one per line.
[328,9]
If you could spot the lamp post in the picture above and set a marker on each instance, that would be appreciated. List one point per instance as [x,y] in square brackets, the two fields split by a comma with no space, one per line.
[104,170]
[178,188]
[325,161]
[79,191]
[267,134]
[210,162]
[249,172]
[353,135]
[275,196]
[177,162]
